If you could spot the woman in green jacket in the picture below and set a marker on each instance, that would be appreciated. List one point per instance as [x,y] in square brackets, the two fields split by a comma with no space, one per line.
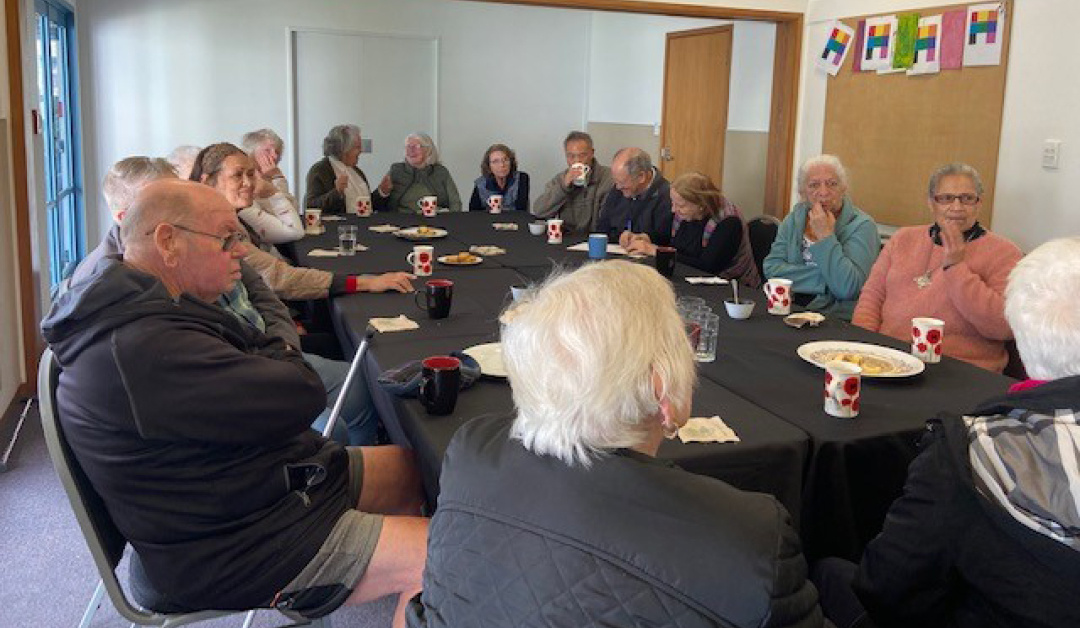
[826,246]
[418,176]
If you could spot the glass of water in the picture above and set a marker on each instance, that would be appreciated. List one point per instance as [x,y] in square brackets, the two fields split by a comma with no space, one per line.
[709,323]
[347,239]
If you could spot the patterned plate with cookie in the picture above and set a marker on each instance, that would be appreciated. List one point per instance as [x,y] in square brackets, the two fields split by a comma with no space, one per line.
[874,360]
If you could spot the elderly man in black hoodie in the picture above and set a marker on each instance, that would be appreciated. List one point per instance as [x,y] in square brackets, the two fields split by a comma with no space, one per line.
[193,427]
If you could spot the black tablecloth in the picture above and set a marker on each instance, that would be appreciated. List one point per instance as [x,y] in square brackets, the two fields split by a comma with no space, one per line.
[849,470]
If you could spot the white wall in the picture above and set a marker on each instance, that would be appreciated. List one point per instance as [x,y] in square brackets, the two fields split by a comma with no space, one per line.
[158,73]
[626,69]
[1042,97]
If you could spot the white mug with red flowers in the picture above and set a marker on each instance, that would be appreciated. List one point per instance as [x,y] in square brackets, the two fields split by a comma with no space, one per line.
[363,207]
[842,388]
[779,293]
[554,231]
[926,337]
[494,203]
[421,259]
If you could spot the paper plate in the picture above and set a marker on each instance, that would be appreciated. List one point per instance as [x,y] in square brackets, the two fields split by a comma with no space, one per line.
[490,358]
[875,360]
[421,233]
[450,261]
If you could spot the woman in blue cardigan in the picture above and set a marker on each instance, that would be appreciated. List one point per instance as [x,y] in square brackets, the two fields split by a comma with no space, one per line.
[826,246]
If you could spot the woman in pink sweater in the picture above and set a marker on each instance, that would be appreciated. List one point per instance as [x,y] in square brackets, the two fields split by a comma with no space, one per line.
[953,269]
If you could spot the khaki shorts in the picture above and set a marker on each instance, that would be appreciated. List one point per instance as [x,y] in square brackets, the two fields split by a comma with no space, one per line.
[328,580]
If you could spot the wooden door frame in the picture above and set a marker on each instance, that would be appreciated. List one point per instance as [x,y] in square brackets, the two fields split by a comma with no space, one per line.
[708,30]
[779,163]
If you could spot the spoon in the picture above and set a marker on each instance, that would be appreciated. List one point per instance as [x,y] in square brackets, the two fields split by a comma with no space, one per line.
[735,287]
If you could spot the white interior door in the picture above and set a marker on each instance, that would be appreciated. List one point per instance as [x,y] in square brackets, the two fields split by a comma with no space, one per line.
[385,84]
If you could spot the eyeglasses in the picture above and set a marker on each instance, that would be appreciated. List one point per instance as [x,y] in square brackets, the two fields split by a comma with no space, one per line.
[947,199]
[228,242]
[831,184]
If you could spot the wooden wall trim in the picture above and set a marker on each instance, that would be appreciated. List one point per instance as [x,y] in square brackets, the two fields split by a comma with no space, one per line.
[23,235]
[660,8]
[782,119]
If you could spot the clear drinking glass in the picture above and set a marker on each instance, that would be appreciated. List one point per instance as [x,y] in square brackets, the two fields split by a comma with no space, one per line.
[347,239]
[709,323]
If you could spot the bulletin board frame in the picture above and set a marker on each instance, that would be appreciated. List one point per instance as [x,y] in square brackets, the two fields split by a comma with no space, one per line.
[892,131]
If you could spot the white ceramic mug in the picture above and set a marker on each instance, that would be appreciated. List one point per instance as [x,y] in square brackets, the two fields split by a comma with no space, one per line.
[363,207]
[494,203]
[428,205]
[313,220]
[421,259]
[583,171]
[843,386]
[779,293]
[926,337]
[554,231]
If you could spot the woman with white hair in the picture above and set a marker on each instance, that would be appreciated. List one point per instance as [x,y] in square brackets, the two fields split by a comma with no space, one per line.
[335,184]
[565,515]
[273,212]
[987,532]
[952,269]
[826,245]
[418,176]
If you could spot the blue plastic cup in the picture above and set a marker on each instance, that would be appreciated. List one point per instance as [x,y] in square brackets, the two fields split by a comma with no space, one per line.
[597,246]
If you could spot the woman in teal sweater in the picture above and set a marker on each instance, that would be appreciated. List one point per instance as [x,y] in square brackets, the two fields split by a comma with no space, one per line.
[418,176]
[826,246]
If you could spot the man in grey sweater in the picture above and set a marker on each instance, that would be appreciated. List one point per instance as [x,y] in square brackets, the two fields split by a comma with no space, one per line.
[576,194]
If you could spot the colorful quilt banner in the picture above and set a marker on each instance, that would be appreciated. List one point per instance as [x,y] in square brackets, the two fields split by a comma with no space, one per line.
[841,39]
[877,51]
[952,39]
[907,30]
[927,46]
[860,38]
[984,32]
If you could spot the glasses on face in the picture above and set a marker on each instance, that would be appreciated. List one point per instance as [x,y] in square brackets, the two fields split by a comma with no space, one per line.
[965,199]
[228,242]
[829,184]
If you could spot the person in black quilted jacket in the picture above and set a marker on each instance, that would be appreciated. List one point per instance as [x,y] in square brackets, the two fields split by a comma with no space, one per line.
[562,516]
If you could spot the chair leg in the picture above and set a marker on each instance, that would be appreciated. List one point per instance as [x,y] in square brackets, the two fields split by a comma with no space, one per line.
[95,603]
[249,619]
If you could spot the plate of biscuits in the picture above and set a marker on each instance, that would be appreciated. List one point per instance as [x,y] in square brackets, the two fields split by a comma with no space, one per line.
[421,233]
[463,258]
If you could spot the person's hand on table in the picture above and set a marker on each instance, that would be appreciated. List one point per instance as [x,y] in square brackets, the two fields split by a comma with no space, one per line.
[822,223]
[625,237]
[385,185]
[641,243]
[952,240]
[341,182]
[400,282]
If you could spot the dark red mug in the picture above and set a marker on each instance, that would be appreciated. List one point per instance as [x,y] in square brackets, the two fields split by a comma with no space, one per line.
[440,381]
[438,295]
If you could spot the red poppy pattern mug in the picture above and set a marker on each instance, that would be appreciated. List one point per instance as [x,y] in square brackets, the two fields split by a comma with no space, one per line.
[843,386]
[554,231]
[421,259]
[428,205]
[363,207]
[926,337]
[494,203]
[779,293]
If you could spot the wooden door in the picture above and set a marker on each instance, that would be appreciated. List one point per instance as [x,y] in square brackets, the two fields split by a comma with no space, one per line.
[697,70]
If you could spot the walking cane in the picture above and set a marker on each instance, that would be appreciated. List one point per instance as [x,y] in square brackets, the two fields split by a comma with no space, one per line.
[354,368]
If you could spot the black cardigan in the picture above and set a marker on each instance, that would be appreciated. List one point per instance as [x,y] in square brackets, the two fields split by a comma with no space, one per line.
[321,192]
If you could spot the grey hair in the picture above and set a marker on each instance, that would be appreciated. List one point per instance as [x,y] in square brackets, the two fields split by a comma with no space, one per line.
[251,141]
[577,136]
[1040,307]
[832,161]
[129,175]
[183,159]
[603,395]
[954,169]
[429,145]
[172,204]
[339,139]
[637,161]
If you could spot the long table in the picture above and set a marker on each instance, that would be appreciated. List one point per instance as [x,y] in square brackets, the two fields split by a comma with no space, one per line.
[836,476]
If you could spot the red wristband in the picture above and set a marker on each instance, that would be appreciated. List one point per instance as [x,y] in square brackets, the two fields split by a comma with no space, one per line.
[351,284]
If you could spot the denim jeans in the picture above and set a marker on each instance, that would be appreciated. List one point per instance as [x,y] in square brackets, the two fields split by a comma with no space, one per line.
[358,414]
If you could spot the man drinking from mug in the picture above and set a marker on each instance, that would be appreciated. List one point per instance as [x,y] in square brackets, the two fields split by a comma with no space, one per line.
[576,194]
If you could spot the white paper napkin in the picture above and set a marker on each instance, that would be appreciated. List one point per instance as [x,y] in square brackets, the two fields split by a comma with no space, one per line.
[324,253]
[707,280]
[505,226]
[710,430]
[398,323]
[486,250]
[612,249]
[331,218]
[384,228]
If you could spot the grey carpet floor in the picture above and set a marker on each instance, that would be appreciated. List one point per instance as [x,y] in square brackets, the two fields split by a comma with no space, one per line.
[46,573]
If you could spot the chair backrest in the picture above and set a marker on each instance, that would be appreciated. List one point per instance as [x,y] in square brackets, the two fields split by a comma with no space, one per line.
[102,537]
[762,231]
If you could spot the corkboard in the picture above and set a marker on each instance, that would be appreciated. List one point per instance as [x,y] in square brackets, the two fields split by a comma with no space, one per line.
[891,131]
